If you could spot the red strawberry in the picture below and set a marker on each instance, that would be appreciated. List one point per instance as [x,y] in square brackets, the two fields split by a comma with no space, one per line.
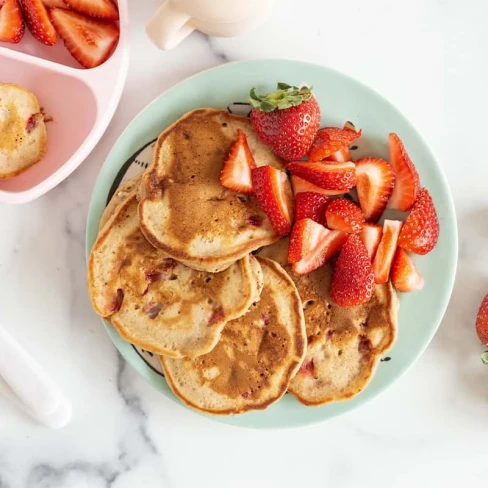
[342,214]
[404,274]
[301,185]
[407,180]
[374,182]
[309,204]
[37,20]
[12,25]
[371,236]
[286,120]
[90,41]
[353,279]
[236,172]
[341,156]
[103,9]
[273,193]
[482,322]
[328,175]
[421,229]
[386,250]
[312,245]
[330,140]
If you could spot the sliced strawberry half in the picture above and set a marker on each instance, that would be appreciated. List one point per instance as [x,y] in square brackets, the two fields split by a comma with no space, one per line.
[12,25]
[103,9]
[37,20]
[301,185]
[353,280]
[312,245]
[386,250]
[420,232]
[407,180]
[273,193]
[341,156]
[328,175]
[404,274]
[90,41]
[311,205]
[342,214]
[371,236]
[331,139]
[374,182]
[482,321]
[236,172]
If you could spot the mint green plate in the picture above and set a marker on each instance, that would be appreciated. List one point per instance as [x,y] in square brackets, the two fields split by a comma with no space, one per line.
[341,98]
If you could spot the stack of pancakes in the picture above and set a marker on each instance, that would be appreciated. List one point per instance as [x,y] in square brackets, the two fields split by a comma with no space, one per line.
[194,272]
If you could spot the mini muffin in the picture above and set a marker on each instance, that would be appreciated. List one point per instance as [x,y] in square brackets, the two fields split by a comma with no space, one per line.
[23,138]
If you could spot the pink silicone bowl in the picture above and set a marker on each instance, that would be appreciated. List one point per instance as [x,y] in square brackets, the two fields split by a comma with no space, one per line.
[81,102]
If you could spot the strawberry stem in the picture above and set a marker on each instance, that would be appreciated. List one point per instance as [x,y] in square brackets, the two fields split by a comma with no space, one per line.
[484,358]
[285,96]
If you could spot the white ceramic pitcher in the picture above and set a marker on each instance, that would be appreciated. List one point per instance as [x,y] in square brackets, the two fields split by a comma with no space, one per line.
[176,19]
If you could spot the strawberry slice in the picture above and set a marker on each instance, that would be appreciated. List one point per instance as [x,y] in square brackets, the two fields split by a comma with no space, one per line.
[407,180]
[329,140]
[12,25]
[90,41]
[311,205]
[328,175]
[312,245]
[482,321]
[404,274]
[374,182]
[236,172]
[54,3]
[300,185]
[386,250]
[421,229]
[103,9]
[342,214]
[37,20]
[273,193]
[371,236]
[353,280]
[341,156]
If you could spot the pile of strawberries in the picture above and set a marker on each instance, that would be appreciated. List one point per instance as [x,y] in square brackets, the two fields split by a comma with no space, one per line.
[87,27]
[320,213]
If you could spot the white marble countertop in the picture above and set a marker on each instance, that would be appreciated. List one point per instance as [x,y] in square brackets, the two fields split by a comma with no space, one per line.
[429,429]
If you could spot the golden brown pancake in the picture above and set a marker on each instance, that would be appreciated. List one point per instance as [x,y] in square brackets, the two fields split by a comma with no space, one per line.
[344,343]
[252,364]
[184,209]
[157,303]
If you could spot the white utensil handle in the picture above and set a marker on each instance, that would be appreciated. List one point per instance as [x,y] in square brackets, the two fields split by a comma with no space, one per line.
[33,387]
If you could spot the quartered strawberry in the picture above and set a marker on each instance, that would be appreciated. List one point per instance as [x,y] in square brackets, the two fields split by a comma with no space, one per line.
[90,41]
[236,172]
[353,280]
[286,120]
[371,236]
[329,140]
[312,245]
[421,229]
[309,204]
[407,180]
[103,9]
[328,175]
[273,193]
[341,156]
[404,274]
[374,183]
[37,20]
[12,25]
[342,214]
[386,250]
[300,185]
[482,321]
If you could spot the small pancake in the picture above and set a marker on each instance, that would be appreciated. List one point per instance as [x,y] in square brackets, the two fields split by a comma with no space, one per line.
[157,303]
[344,343]
[257,355]
[185,211]
[23,136]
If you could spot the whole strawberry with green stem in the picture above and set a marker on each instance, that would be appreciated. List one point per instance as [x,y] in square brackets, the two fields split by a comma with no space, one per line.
[286,120]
